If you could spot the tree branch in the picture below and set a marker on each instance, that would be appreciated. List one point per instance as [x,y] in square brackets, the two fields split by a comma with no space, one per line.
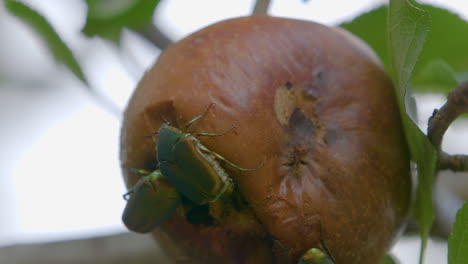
[113,249]
[453,162]
[261,7]
[105,103]
[456,105]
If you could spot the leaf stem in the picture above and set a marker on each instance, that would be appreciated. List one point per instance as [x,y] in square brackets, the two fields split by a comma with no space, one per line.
[456,105]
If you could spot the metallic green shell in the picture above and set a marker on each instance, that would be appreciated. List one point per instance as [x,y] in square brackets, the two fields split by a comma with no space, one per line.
[168,136]
[194,173]
[315,256]
[152,201]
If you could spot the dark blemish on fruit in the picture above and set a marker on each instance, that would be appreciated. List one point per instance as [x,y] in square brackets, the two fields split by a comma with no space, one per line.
[296,156]
[319,75]
[331,136]
[164,112]
[302,128]
[302,131]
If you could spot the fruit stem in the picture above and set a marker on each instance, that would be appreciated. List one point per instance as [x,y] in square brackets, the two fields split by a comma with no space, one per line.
[153,34]
[261,7]
[456,105]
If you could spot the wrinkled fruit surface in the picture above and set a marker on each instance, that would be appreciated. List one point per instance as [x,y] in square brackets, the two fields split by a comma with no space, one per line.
[314,105]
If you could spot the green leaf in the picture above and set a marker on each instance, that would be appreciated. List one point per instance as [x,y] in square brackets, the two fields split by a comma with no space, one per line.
[389,259]
[462,76]
[372,28]
[411,107]
[447,41]
[442,45]
[458,240]
[39,24]
[436,76]
[108,18]
[425,156]
[408,27]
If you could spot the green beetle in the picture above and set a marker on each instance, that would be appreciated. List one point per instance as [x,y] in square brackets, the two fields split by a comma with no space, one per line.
[150,202]
[190,166]
[185,166]
[318,256]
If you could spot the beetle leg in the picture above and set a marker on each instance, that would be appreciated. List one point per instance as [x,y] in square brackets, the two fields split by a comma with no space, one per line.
[324,246]
[126,196]
[140,171]
[195,119]
[223,190]
[149,176]
[216,155]
[213,134]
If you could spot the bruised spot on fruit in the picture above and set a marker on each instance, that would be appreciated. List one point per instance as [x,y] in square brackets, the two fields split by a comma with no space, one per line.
[302,131]
[295,109]
[331,135]
[164,111]
[285,102]
[296,159]
[301,128]
[291,98]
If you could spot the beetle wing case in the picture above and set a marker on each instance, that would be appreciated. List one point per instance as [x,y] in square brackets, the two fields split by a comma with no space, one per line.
[167,139]
[196,175]
[151,203]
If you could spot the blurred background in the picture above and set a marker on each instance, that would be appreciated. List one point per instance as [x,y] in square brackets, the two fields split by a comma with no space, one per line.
[59,175]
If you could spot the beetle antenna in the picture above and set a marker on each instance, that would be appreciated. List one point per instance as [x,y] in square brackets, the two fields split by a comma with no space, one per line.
[187,126]
[152,135]
[215,135]
[322,243]
[126,196]
[216,155]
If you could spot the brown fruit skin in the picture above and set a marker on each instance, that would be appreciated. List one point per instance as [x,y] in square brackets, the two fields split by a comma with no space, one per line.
[309,101]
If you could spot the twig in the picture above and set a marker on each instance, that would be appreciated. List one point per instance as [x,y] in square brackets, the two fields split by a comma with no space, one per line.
[453,162]
[106,103]
[261,7]
[153,34]
[112,249]
[456,105]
